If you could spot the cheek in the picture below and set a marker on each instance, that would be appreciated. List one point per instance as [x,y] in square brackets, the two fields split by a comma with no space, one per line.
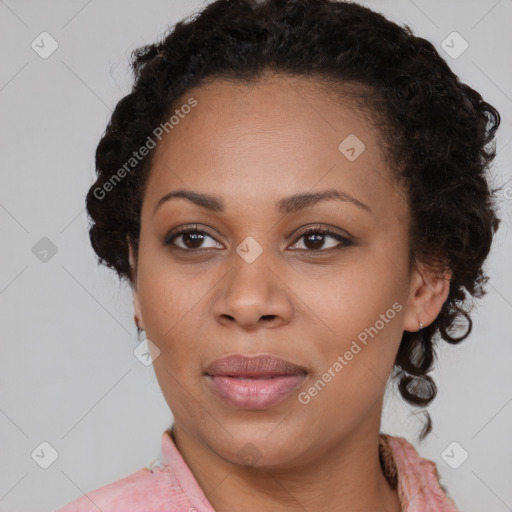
[361,308]
[167,292]
[168,303]
[354,365]
[352,296]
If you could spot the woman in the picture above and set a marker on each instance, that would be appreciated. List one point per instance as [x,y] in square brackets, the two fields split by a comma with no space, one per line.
[297,194]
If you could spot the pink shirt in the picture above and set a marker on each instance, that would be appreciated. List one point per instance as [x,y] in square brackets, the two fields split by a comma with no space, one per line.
[171,487]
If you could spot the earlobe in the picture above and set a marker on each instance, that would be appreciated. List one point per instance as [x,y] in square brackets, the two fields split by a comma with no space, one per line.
[428,292]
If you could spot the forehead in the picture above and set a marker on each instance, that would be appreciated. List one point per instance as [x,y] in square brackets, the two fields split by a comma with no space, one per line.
[268,139]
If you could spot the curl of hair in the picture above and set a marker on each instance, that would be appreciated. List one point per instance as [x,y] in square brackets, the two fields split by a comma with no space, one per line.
[437,134]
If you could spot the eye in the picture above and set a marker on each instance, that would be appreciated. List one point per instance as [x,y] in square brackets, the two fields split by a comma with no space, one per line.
[191,239]
[315,238]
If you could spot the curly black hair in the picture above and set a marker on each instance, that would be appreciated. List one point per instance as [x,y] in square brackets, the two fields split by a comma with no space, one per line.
[437,133]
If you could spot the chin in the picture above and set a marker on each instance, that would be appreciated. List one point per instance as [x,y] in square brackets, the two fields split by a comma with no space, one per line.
[261,446]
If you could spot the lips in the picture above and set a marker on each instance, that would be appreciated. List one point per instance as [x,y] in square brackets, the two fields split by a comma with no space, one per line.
[253,366]
[254,382]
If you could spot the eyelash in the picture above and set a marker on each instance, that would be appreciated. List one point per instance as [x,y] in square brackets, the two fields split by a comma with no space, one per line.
[344,241]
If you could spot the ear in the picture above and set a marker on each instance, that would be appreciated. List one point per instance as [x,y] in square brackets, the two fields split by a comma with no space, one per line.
[429,290]
[134,284]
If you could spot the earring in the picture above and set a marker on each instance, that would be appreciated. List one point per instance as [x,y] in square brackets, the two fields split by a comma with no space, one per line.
[139,328]
[421,326]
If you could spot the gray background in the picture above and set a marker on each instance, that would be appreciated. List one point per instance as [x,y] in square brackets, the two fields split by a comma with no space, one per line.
[67,372]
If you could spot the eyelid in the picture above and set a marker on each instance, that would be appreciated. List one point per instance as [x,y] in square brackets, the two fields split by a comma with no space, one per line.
[180,230]
[324,228]
[344,238]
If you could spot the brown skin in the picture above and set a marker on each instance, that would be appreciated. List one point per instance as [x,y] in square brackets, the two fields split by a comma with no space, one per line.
[253,145]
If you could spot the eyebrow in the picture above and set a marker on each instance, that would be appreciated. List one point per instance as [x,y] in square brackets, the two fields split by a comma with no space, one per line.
[287,205]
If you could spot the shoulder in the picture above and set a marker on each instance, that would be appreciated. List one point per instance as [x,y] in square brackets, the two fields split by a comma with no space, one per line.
[417,478]
[142,490]
[166,486]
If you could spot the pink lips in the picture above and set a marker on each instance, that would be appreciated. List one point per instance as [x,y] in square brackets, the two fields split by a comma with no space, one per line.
[254,382]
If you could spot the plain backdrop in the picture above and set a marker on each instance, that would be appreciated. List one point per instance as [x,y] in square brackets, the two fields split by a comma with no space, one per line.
[68,375]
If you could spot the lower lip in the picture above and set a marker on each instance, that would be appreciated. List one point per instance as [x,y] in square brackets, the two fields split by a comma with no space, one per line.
[254,393]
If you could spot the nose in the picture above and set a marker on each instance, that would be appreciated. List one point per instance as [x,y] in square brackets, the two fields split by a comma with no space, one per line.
[252,296]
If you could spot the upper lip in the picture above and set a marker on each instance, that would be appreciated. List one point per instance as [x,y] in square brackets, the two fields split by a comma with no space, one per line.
[239,365]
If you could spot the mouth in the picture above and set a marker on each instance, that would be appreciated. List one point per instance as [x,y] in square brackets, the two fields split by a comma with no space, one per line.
[254,382]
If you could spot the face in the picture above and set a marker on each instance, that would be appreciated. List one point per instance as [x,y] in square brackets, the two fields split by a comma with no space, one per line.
[320,282]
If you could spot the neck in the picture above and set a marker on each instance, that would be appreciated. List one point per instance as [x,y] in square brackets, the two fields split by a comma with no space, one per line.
[347,477]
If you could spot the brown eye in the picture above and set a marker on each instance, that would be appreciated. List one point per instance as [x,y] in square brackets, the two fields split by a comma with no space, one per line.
[190,239]
[316,238]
